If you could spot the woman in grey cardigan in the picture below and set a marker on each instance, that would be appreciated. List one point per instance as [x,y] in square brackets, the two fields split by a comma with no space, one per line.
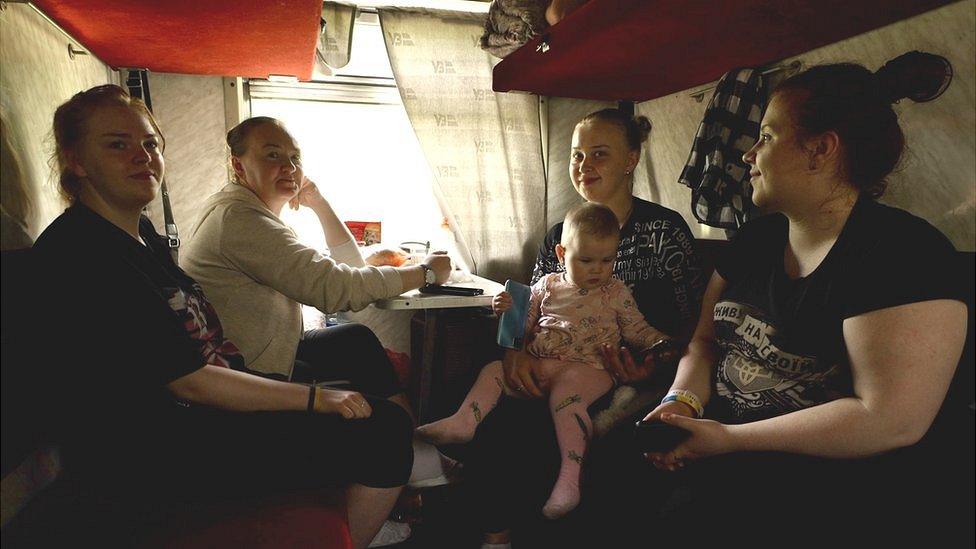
[257,274]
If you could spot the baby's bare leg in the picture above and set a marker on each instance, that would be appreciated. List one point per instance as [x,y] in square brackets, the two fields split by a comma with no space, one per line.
[481,399]
[574,388]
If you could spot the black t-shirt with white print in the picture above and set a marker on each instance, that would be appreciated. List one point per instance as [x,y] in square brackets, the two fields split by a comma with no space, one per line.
[781,339]
[657,261]
[123,321]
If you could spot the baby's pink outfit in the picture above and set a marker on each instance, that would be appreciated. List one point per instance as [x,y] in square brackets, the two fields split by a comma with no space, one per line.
[575,323]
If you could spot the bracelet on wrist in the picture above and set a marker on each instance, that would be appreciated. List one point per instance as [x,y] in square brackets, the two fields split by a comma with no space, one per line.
[685,396]
[312,392]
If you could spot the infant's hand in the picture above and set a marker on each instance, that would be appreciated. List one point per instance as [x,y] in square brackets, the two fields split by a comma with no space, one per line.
[501,303]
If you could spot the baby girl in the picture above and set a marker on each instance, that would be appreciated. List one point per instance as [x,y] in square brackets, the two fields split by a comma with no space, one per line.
[571,316]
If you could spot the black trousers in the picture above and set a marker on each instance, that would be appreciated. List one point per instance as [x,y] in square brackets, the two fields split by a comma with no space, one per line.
[347,352]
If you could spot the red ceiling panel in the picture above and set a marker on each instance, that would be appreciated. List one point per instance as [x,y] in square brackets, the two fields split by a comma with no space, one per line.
[642,49]
[253,38]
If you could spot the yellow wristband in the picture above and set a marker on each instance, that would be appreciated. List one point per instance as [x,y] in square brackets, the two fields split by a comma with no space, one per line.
[686,397]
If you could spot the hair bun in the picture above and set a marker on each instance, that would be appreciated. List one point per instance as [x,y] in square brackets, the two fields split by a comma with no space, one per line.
[917,75]
[644,125]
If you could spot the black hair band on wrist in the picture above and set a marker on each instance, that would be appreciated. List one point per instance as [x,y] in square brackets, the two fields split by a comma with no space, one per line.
[311,398]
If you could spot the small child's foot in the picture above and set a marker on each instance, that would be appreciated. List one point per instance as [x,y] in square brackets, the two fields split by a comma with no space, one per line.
[562,500]
[451,430]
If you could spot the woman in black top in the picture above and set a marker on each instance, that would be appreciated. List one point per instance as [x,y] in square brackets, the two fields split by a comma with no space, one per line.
[150,405]
[831,330]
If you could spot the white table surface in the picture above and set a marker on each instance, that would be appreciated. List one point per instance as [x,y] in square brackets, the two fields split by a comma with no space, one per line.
[416,300]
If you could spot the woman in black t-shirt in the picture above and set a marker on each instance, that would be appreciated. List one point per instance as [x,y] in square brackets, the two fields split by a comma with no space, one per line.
[150,406]
[831,330]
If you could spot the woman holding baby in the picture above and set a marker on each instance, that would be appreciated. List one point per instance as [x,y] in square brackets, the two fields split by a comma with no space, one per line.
[514,449]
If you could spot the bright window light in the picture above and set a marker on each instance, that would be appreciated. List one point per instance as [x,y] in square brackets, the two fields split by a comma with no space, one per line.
[357,145]
[368,50]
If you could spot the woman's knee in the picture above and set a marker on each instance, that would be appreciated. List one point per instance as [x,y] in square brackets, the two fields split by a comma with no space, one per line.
[359,335]
[386,443]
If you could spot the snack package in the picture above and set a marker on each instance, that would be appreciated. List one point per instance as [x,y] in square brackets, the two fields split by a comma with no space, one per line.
[366,233]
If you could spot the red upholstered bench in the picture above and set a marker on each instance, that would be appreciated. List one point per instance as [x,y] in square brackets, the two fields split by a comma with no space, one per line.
[309,519]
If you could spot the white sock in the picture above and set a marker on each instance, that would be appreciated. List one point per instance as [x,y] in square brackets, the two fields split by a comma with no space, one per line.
[426,462]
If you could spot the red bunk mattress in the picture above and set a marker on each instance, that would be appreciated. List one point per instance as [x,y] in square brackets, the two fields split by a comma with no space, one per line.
[252,38]
[641,49]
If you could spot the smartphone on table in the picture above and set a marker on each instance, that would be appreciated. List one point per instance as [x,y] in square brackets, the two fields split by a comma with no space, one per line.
[437,289]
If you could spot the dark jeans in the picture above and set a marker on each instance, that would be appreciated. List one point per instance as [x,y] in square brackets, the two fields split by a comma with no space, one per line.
[512,463]
[347,352]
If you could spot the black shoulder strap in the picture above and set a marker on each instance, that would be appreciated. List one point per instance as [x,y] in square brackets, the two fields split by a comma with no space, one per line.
[138,83]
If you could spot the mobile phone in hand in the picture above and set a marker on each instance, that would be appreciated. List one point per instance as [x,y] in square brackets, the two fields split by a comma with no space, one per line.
[657,436]
[511,325]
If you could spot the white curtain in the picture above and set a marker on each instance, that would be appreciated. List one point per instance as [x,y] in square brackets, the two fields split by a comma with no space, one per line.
[335,38]
[484,148]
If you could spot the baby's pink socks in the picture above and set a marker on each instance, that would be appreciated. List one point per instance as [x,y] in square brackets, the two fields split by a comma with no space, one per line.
[566,493]
[482,398]
[568,401]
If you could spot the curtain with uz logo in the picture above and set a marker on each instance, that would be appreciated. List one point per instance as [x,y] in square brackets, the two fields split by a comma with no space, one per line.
[484,148]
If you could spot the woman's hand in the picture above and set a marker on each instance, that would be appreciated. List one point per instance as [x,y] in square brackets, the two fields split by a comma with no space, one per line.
[523,374]
[671,407]
[501,303]
[308,195]
[708,438]
[350,404]
[440,263]
[620,364]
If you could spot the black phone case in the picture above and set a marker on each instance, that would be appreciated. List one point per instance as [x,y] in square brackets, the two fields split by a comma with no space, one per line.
[451,290]
[657,436]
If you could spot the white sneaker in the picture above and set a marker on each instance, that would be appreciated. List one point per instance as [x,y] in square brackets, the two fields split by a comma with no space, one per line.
[429,466]
[391,533]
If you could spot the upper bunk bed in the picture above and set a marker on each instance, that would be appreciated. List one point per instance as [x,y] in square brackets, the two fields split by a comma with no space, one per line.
[636,50]
[249,38]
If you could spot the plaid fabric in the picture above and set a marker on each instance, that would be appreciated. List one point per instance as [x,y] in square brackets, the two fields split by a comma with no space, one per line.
[721,194]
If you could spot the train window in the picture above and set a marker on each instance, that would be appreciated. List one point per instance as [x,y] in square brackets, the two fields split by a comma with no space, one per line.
[357,144]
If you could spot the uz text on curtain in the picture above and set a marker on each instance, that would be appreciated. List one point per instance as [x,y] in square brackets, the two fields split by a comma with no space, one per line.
[484,148]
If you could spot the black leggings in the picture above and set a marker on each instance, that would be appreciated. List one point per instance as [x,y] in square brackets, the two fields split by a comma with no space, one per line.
[347,352]
[512,464]
[199,453]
